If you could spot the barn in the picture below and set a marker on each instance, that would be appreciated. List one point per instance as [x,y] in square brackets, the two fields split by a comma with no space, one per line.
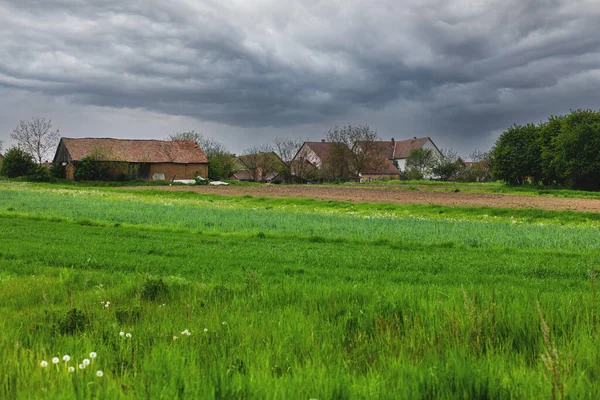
[136,159]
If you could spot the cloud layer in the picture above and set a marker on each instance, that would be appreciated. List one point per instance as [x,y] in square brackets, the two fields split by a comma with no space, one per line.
[456,69]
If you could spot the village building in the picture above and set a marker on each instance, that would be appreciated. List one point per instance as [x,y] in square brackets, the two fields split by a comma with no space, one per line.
[260,167]
[136,159]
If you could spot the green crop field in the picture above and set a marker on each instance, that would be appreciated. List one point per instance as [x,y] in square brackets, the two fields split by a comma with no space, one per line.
[179,295]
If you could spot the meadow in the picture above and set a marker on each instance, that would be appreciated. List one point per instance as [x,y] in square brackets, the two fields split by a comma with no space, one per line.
[181,295]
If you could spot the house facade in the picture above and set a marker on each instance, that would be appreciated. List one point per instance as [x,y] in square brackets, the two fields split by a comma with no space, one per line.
[137,159]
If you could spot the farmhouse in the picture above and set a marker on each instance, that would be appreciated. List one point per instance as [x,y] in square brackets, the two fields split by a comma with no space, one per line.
[312,161]
[138,159]
[397,151]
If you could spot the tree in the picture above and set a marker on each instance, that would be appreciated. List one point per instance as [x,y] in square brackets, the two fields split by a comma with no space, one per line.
[17,162]
[449,166]
[36,137]
[354,149]
[260,161]
[549,132]
[420,163]
[516,156]
[577,150]
[286,149]
[221,163]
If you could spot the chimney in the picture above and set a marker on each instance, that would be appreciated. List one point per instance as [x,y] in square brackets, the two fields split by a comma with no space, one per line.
[393,141]
[322,140]
[414,138]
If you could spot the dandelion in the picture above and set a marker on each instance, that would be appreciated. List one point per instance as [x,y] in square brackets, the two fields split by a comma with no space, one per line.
[86,362]
[186,333]
[93,354]
[81,366]
[71,369]
[223,323]
[66,358]
[99,374]
[55,360]
[205,330]
[128,335]
[44,364]
[175,338]
[121,334]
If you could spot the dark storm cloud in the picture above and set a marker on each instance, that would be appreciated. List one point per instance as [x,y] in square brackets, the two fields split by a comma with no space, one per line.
[465,68]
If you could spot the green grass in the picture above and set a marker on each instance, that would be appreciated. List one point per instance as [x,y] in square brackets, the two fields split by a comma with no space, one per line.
[299,298]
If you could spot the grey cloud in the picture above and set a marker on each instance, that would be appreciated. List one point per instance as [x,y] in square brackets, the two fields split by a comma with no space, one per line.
[463,68]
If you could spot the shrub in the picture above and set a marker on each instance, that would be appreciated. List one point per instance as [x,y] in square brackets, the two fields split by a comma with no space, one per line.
[41,173]
[58,171]
[17,162]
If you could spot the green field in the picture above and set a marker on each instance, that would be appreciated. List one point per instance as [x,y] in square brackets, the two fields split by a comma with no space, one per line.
[292,298]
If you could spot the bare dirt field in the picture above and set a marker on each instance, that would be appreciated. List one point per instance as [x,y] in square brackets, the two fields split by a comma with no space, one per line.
[383,195]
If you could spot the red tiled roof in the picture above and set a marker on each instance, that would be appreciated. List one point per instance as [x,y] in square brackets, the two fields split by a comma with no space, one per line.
[386,167]
[404,147]
[135,151]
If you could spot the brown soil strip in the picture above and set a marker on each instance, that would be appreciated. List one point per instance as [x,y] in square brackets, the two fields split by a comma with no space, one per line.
[360,195]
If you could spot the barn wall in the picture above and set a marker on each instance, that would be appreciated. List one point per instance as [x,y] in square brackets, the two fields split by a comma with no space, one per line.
[179,171]
[70,170]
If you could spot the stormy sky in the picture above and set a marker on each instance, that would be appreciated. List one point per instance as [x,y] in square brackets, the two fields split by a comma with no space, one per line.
[246,71]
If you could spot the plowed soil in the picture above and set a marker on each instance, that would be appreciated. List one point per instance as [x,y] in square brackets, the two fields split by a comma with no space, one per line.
[389,195]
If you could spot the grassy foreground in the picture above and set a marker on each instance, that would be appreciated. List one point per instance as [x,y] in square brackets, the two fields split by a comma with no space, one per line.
[291,299]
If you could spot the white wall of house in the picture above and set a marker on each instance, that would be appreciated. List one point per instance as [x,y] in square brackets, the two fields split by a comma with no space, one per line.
[306,153]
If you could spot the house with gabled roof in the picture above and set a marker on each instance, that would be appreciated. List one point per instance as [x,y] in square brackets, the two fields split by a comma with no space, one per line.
[397,151]
[259,167]
[139,159]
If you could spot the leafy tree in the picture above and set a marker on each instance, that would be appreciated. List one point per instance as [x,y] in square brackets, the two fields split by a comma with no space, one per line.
[40,173]
[549,132]
[420,163]
[354,149]
[17,162]
[449,166]
[516,155]
[36,137]
[89,169]
[577,150]
[58,170]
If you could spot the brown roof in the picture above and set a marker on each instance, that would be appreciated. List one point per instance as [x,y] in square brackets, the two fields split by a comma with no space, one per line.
[134,151]
[321,149]
[400,148]
[386,167]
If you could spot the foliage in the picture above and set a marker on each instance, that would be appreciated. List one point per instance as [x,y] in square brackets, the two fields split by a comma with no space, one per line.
[154,289]
[259,161]
[59,171]
[73,322]
[41,173]
[17,162]
[353,149]
[420,163]
[90,169]
[565,150]
[221,166]
[449,167]
[517,155]
[36,137]
[286,149]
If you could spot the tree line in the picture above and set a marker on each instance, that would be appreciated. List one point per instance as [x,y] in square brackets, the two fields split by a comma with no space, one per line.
[564,151]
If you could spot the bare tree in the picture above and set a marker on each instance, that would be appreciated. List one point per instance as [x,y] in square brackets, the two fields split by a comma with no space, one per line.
[286,149]
[260,161]
[354,149]
[36,137]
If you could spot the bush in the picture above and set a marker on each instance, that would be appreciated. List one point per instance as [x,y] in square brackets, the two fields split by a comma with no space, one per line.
[58,171]
[40,173]
[75,321]
[154,289]
[17,162]
[89,169]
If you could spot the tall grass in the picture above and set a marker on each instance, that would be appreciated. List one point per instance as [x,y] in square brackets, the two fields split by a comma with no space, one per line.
[386,307]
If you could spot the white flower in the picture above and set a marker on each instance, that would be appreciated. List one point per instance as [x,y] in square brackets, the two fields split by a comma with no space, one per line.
[224,323]
[99,373]
[121,333]
[66,358]
[44,364]
[93,354]
[71,369]
[128,335]
[81,366]
[175,338]
[86,362]
[55,360]
[205,330]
